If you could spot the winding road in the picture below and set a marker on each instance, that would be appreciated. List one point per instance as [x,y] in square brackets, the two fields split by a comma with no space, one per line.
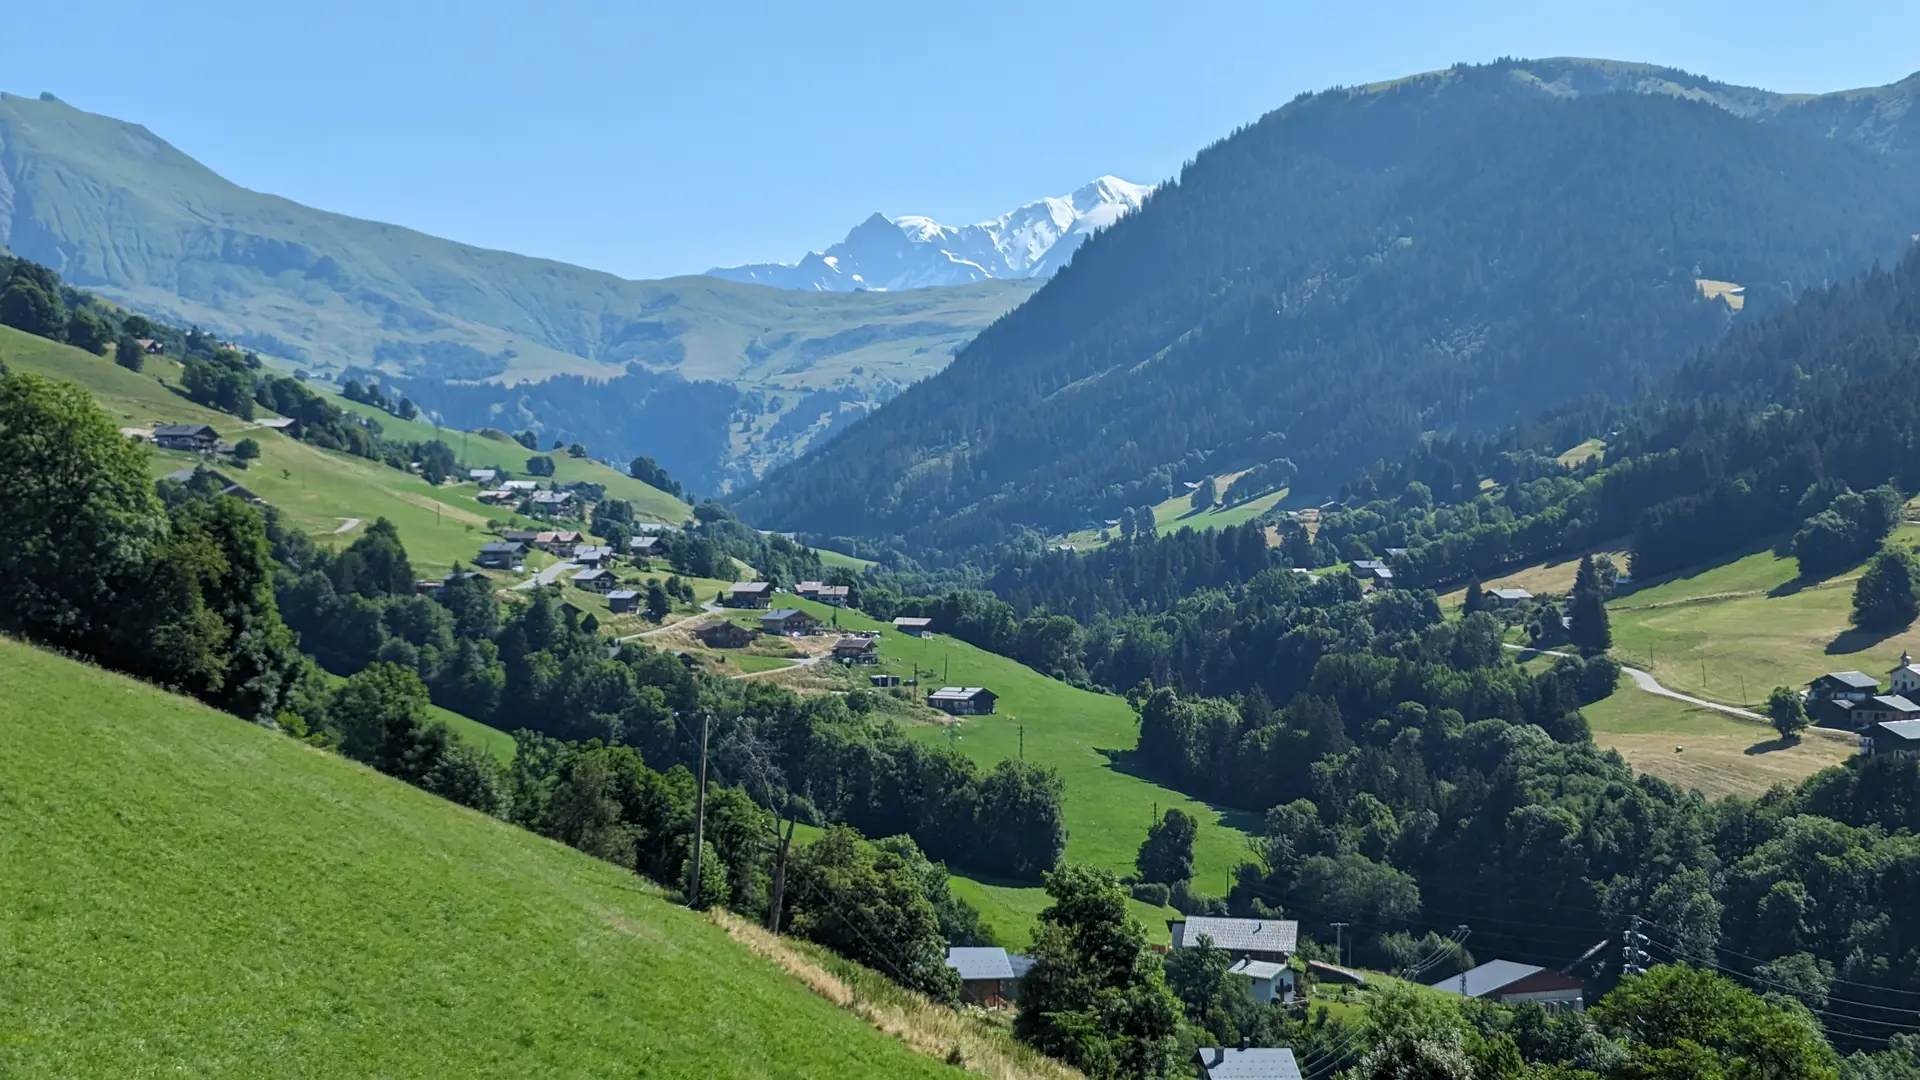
[1651,685]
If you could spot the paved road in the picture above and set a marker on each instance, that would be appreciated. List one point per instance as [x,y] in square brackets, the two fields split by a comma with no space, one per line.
[548,576]
[707,607]
[1652,686]
[347,525]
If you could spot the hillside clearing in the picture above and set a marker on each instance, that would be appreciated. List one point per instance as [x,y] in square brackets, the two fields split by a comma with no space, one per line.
[1695,747]
[185,893]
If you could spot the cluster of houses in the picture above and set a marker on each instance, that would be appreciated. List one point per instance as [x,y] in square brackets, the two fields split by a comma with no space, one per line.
[1886,723]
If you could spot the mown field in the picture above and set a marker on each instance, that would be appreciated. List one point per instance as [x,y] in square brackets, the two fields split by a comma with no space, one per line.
[1176,513]
[1084,736]
[318,491]
[1702,748]
[182,893]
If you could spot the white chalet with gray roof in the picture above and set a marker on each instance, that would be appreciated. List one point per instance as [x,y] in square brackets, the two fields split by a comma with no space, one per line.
[1273,940]
[1269,981]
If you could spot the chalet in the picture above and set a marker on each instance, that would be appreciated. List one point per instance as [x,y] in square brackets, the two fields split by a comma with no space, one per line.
[834,595]
[1898,738]
[1882,709]
[195,438]
[1506,598]
[645,547]
[654,527]
[1843,686]
[963,700]
[526,537]
[500,555]
[1251,1063]
[724,635]
[482,476]
[916,627]
[551,502]
[788,622]
[592,554]
[280,423]
[1511,983]
[1381,576]
[984,974]
[558,543]
[426,587]
[152,347]
[623,601]
[495,496]
[807,590]
[856,650]
[749,594]
[1906,677]
[1273,940]
[1270,982]
[600,581]
[882,682]
[1362,568]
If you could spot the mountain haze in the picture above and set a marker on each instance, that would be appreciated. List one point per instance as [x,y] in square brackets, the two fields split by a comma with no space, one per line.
[913,252]
[1449,251]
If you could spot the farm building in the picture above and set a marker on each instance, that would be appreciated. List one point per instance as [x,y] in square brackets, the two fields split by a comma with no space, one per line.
[1899,738]
[551,502]
[807,590]
[1881,709]
[1506,598]
[881,682]
[916,627]
[500,555]
[1843,686]
[483,476]
[1511,983]
[195,438]
[749,594]
[963,700]
[857,650]
[645,547]
[519,485]
[984,974]
[1273,940]
[1253,1063]
[528,537]
[600,581]
[724,635]
[623,601]
[788,622]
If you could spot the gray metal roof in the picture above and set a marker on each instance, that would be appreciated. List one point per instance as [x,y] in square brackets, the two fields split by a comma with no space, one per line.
[1257,969]
[782,614]
[1510,594]
[1893,703]
[980,963]
[1021,964]
[1858,679]
[904,622]
[503,547]
[957,693]
[1488,977]
[1255,935]
[1901,729]
[623,594]
[1219,1063]
[750,587]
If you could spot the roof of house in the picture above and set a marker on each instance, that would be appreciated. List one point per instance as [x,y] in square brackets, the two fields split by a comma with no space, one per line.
[1889,702]
[592,551]
[482,474]
[980,963]
[642,543]
[1488,977]
[1510,594]
[552,496]
[520,485]
[1905,730]
[750,587]
[502,547]
[624,594]
[841,591]
[1368,564]
[1382,572]
[1021,964]
[1257,969]
[592,575]
[1859,680]
[807,587]
[860,643]
[172,430]
[1349,973]
[276,423]
[1261,1063]
[906,624]
[958,693]
[1396,551]
[1263,935]
[782,614]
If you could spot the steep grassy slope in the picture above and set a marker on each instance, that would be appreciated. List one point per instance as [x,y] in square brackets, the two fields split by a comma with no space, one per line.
[183,893]
[319,491]
[1354,270]
[1085,736]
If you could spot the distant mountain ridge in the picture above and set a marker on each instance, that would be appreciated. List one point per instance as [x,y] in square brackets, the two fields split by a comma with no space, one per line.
[1453,251]
[914,252]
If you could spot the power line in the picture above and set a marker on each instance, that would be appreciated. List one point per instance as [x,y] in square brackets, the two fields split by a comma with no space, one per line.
[1686,957]
[1675,949]
[1754,959]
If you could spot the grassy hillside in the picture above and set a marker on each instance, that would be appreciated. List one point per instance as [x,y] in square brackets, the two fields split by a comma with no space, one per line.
[184,893]
[320,491]
[1077,732]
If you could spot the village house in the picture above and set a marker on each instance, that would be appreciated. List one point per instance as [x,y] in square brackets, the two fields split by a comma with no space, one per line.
[558,543]
[1506,598]
[963,700]
[833,595]
[1897,738]
[1272,940]
[984,974]
[551,502]
[1833,698]
[807,590]
[194,438]
[600,581]
[500,555]
[152,347]
[1252,1063]
[495,496]
[592,554]
[856,650]
[1269,982]
[749,594]
[1882,709]
[645,547]
[623,601]
[1511,983]
[653,527]
[526,537]
[1906,677]
[1843,686]
[285,424]
[788,622]
[1334,973]
[724,635]
[916,627]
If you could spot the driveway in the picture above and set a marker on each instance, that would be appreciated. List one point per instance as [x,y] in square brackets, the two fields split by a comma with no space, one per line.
[1651,685]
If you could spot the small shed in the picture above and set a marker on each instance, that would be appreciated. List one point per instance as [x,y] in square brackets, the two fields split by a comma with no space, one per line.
[916,627]
[623,601]
[788,622]
[984,974]
[963,700]
[882,682]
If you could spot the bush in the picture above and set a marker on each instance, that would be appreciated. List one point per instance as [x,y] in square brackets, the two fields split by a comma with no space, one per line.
[1152,892]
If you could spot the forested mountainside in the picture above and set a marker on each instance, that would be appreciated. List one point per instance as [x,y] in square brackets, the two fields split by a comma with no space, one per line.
[114,208]
[1453,251]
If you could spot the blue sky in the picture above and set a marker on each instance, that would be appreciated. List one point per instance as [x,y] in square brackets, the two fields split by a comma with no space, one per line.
[650,140]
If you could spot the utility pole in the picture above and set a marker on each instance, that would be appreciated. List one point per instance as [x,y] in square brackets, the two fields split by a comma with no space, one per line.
[699,818]
[1023,757]
[1340,941]
[1633,958]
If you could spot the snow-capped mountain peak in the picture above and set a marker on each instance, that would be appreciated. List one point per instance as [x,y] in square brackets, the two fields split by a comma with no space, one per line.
[913,252]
